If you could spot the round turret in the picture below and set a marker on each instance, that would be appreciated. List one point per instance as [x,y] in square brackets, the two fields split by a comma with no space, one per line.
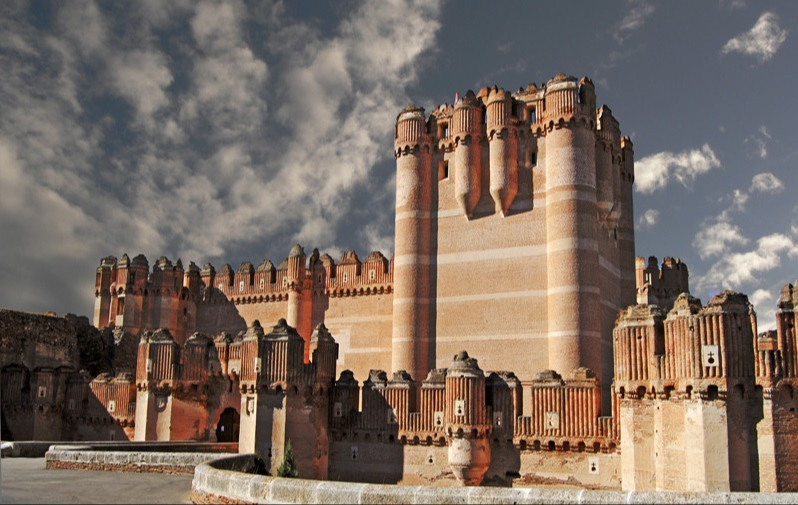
[466,422]
[467,130]
[503,138]
[410,127]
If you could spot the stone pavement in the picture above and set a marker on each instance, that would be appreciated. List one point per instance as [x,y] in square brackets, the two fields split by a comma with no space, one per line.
[25,480]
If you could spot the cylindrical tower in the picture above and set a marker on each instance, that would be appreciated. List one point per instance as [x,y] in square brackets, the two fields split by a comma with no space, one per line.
[574,307]
[295,276]
[467,131]
[102,291]
[410,337]
[607,145]
[503,140]
[626,224]
[466,420]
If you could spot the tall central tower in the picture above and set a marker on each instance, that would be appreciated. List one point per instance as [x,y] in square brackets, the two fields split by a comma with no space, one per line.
[514,231]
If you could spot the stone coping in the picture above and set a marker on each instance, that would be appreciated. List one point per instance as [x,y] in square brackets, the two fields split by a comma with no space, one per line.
[77,458]
[38,449]
[222,481]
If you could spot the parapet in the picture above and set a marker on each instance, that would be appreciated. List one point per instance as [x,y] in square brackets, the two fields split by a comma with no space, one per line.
[660,285]
[464,366]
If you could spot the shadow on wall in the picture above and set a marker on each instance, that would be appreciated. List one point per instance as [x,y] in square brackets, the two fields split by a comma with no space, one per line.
[219,314]
[363,449]
[55,404]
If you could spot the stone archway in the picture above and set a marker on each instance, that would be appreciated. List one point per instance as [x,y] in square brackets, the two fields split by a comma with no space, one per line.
[227,426]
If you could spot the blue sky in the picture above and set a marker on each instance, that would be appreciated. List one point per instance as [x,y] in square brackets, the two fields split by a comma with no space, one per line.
[229,131]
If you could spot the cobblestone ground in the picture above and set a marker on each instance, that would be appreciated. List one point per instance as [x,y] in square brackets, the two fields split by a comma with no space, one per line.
[25,480]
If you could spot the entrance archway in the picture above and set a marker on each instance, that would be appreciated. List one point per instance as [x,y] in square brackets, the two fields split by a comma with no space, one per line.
[227,427]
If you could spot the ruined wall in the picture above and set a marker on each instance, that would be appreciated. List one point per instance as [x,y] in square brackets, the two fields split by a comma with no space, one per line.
[40,356]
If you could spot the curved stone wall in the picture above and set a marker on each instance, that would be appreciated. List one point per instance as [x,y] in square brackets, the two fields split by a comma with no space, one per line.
[224,481]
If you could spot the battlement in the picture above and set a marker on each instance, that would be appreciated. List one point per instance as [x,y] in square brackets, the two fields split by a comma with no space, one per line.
[253,358]
[565,412]
[657,285]
[318,273]
[501,129]
[562,98]
[134,298]
[692,347]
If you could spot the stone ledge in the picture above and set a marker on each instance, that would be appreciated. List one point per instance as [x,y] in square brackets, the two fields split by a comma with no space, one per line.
[160,462]
[215,482]
[38,449]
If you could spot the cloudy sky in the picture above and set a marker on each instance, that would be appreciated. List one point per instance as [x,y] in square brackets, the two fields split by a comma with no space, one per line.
[229,131]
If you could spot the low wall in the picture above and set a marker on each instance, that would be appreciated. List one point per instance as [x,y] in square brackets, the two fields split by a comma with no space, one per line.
[37,449]
[224,481]
[160,457]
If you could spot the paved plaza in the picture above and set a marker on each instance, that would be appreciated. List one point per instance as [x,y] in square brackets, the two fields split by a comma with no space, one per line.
[25,480]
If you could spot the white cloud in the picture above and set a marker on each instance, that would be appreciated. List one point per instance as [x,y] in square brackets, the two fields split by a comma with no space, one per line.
[196,167]
[634,19]
[765,308]
[760,296]
[763,40]
[653,172]
[759,139]
[142,77]
[766,182]
[732,4]
[735,270]
[649,219]
[227,79]
[713,239]
[739,199]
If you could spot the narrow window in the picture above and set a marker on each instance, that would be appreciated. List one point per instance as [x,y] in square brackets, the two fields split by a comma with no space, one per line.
[241,287]
[532,115]
[372,274]
[443,170]
[262,282]
[345,278]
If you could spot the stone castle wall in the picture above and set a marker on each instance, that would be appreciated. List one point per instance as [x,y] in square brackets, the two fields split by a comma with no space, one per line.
[514,238]
[49,389]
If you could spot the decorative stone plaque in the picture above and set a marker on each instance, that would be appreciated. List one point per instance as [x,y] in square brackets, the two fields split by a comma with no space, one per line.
[710,355]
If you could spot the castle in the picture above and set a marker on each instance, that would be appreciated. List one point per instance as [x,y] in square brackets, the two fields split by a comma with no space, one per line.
[513,338]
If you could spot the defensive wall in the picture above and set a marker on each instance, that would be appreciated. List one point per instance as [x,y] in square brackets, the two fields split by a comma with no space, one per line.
[514,239]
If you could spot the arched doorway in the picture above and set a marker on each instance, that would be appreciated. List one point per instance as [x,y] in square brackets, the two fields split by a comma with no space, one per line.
[227,427]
